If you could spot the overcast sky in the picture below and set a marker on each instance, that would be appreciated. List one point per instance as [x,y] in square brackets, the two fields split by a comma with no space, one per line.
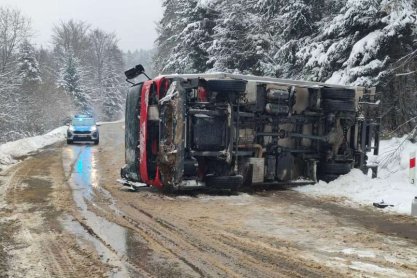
[133,21]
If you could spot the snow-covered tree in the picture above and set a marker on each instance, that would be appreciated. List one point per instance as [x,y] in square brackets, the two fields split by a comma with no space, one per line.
[298,18]
[190,54]
[184,36]
[28,66]
[71,36]
[287,27]
[358,45]
[113,93]
[14,29]
[234,47]
[168,32]
[107,66]
[71,81]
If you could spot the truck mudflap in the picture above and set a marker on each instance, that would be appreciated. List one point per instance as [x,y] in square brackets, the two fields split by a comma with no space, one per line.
[172,135]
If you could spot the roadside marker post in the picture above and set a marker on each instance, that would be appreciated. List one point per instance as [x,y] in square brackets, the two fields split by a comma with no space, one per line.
[412,172]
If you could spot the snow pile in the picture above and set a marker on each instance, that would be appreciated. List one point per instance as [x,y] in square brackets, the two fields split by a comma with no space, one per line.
[11,151]
[392,185]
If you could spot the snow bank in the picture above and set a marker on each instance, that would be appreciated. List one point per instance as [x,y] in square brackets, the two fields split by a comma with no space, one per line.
[392,185]
[11,151]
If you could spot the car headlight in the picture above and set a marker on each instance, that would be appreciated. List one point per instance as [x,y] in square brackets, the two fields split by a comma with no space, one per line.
[94,128]
[71,128]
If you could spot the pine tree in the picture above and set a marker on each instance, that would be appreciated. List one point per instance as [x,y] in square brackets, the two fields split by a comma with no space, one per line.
[358,45]
[106,74]
[266,27]
[30,80]
[28,66]
[71,82]
[113,95]
[268,9]
[190,55]
[234,47]
[298,19]
[113,84]
[168,29]
[288,24]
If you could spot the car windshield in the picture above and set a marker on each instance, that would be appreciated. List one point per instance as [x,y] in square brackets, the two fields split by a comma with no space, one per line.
[83,122]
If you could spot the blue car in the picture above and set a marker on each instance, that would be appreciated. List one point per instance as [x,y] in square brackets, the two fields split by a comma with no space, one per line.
[83,128]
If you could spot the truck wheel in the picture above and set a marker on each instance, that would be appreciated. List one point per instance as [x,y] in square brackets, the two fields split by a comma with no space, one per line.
[225,182]
[96,142]
[225,86]
[69,141]
[338,93]
[332,105]
[334,168]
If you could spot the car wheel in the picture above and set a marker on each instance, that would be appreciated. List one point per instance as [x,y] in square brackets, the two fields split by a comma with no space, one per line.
[225,182]
[331,105]
[338,93]
[225,86]
[69,141]
[96,142]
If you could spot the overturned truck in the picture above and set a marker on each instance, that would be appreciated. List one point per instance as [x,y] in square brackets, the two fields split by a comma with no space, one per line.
[226,131]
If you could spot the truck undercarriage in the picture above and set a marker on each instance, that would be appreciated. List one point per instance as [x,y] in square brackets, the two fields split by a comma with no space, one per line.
[227,131]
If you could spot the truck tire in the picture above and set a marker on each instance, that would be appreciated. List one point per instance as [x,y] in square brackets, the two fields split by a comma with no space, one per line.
[338,93]
[69,141]
[225,182]
[332,105]
[329,171]
[225,86]
[334,168]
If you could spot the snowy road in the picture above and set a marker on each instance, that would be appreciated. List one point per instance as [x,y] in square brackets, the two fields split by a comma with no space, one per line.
[62,214]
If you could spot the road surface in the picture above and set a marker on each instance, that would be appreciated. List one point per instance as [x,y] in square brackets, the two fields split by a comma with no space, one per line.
[63,214]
